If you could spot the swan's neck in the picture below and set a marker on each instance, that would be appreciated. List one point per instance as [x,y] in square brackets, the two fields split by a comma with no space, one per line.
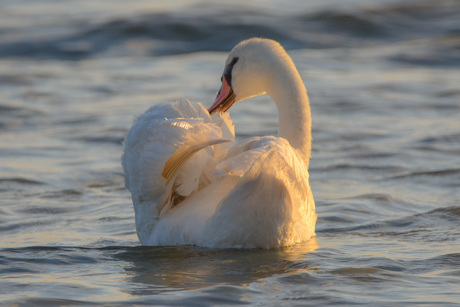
[291,99]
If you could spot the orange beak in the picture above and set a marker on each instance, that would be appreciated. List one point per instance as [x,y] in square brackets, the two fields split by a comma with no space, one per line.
[225,98]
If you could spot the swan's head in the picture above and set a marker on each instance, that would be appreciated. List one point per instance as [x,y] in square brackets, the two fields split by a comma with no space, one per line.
[248,71]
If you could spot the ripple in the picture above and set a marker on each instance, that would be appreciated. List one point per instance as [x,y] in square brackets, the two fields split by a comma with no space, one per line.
[446,138]
[102,139]
[433,173]
[47,210]
[62,194]
[20,180]
[429,226]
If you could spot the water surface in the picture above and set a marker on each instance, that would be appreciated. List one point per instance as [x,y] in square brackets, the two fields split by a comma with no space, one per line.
[383,79]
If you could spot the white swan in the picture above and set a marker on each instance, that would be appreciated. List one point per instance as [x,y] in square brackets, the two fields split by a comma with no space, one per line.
[190,186]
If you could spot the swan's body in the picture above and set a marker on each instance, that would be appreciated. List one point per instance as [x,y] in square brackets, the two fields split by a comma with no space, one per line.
[190,186]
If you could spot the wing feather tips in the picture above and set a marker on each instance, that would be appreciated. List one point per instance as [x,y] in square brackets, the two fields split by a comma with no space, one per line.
[183,154]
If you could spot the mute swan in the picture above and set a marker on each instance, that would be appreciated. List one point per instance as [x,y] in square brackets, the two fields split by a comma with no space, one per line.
[190,186]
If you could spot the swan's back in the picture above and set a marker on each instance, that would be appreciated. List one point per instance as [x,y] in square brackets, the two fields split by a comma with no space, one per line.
[271,205]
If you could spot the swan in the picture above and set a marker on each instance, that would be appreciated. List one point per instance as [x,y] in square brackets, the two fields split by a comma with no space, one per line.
[191,184]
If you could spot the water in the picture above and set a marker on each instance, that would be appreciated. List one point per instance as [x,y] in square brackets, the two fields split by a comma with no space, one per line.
[383,78]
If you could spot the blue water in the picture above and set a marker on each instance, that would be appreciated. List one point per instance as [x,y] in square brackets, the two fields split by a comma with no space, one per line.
[383,79]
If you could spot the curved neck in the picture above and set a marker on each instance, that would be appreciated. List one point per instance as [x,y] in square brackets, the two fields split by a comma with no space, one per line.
[290,96]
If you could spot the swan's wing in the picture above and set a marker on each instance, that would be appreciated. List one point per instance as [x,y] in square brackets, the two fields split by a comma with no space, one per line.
[271,204]
[167,150]
[239,157]
[184,154]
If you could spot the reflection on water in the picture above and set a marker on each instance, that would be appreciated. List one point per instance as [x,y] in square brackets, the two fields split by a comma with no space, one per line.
[158,269]
[82,275]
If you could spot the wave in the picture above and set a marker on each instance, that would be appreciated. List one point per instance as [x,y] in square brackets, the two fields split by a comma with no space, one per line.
[447,173]
[220,29]
[430,226]
[20,180]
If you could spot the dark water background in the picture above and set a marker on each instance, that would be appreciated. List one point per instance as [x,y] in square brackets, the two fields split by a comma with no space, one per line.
[384,83]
